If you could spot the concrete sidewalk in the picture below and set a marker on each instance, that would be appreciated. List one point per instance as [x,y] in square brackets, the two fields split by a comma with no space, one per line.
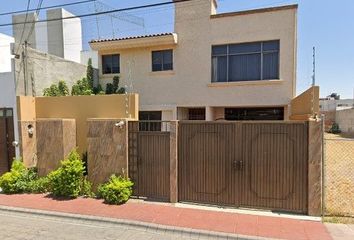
[234,224]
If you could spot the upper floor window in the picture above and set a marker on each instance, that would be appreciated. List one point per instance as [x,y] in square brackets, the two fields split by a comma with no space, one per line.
[162,60]
[110,64]
[245,62]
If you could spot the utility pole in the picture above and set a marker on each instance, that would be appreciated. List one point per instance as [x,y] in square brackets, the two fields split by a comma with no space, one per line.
[314,67]
[24,65]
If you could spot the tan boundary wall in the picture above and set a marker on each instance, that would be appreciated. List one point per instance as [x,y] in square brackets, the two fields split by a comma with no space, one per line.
[306,105]
[79,108]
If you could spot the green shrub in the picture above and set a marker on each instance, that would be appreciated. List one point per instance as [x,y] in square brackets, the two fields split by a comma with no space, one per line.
[67,180]
[39,185]
[82,87]
[86,188]
[19,179]
[116,191]
[335,129]
[56,90]
[109,88]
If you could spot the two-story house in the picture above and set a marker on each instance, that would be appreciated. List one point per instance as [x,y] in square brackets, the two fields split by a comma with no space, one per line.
[232,66]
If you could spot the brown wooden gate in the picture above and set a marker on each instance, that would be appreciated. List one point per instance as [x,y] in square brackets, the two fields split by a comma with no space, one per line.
[149,159]
[244,164]
[7,151]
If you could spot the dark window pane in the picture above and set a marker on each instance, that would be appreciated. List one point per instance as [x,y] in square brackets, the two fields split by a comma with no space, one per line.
[219,50]
[271,66]
[271,46]
[239,114]
[219,69]
[106,64]
[245,67]
[150,116]
[196,114]
[110,64]
[244,48]
[115,64]
[167,60]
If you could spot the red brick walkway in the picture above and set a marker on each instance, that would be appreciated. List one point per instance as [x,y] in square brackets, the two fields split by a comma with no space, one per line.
[251,225]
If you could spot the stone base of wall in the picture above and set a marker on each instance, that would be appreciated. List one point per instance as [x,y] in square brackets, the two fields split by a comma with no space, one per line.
[55,139]
[107,149]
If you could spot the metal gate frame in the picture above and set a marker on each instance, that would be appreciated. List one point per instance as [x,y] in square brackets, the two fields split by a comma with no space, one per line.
[241,150]
[149,159]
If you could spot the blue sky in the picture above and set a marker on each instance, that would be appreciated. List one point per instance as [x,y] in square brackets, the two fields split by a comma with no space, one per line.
[326,24]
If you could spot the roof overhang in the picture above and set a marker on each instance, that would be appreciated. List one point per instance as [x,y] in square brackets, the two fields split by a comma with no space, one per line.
[137,42]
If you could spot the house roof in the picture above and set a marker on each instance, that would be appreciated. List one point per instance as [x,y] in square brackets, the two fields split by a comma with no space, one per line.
[152,40]
[130,38]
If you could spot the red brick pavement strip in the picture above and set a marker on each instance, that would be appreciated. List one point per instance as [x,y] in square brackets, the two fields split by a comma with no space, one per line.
[234,223]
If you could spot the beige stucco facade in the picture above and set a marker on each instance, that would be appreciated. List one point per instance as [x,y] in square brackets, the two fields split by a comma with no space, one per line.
[197,28]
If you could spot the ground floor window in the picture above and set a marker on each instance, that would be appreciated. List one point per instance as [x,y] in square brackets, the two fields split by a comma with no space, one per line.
[196,114]
[239,114]
[147,119]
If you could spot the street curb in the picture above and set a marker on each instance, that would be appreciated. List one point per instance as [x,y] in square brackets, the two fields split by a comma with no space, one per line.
[150,227]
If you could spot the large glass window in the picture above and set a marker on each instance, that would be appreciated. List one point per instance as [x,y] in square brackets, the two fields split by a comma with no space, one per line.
[110,64]
[245,62]
[162,60]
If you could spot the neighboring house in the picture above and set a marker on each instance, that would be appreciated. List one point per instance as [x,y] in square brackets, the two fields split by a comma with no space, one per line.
[331,104]
[338,111]
[61,38]
[233,66]
[8,113]
[345,120]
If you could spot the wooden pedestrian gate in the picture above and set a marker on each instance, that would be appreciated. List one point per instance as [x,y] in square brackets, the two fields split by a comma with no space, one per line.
[149,159]
[244,164]
[7,151]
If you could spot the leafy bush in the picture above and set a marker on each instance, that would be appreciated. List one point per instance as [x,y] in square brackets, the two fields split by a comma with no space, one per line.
[22,180]
[67,180]
[56,90]
[335,129]
[39,185]
[109,88]
[98,90]
[81,87]
[116,191]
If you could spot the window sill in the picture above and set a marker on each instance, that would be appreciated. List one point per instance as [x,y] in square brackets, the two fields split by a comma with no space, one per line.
[168,72]
[245,83]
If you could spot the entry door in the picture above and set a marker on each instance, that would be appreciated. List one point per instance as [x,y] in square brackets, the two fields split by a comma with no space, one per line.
[209,163]
[275,166]
[7,151]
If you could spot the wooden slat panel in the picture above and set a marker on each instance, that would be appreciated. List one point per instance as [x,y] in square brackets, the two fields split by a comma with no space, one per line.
[249,164]
[149,162]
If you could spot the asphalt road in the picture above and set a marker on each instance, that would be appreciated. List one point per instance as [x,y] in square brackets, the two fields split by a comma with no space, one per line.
[30,226]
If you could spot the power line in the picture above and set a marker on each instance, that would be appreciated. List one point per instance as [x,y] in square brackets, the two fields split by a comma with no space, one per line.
[100,13]
[24,26]
[42,8]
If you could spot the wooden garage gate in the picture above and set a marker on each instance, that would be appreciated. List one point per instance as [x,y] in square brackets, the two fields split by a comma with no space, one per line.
[149,159]
[244,164]
[7,151]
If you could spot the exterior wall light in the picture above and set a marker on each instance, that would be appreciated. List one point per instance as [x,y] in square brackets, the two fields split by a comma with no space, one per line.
[120,124]
[30,130]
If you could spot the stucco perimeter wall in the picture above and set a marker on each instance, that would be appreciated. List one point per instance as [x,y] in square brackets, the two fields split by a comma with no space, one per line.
[189,84]
[79,108]
[107,149]
[345,120]
[45,69]
[56,138]
[306,105]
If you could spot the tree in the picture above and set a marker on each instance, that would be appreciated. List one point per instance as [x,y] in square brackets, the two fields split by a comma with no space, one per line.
[89,74]
[113,88]
[56,90]
[63,88]
[81,88]
[334,95]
